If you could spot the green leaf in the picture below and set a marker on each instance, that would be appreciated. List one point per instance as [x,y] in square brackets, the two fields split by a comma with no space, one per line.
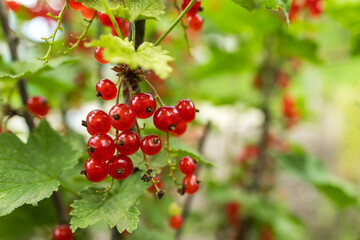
[311,170]
[28,172]
[118,209]
[147,56]
[179,149]
[130,10]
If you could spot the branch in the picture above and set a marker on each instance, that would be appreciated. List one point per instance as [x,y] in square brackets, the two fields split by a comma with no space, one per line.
[59,18]
[189,198]
[173,25]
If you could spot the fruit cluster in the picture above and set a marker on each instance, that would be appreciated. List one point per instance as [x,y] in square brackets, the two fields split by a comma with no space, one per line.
[314,7]
[122,117]
[187,166]
[194,19]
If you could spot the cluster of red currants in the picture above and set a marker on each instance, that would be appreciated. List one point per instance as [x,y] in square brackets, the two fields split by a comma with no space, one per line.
[187,166]
[315,8]
[194,19]
[101,147]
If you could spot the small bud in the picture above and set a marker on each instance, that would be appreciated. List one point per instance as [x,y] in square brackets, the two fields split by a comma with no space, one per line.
[172,127]
[116,117]
[84,123]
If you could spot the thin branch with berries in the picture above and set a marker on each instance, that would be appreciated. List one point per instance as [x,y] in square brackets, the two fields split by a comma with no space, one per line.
[112,18]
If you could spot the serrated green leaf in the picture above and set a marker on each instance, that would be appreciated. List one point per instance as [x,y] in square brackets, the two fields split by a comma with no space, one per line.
[130,10]
[28,172]
[118,209]
[179,149]
[147,56]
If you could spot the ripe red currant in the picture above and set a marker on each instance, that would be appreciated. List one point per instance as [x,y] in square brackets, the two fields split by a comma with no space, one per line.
[87,13]
[14,6]
[192,184]
[106,89]
[104,19]
[151,145]
[38,106]
[166,118]
[195,22]
[75,5]
[143,104]
[180,129]
[122,117]
[232,210]
[62,232]
[101,147]
[97,121]
[187,165]
[176,222]
[187,110]
[194,9]
[95,171]
[99,55]
[127,142]
[120,166]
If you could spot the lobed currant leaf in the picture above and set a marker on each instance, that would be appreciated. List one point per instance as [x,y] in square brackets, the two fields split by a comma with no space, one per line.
[118,209]
[147,56]
[29,172]
[130,10]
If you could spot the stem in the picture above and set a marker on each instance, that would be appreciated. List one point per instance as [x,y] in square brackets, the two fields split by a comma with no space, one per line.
[118,98]
[12,42]
[112,18]
[63,218]
[83,34]
[69,189]
[171,165]
[189,198]
[47,57]
[154,90]
[173,25]
[184,29]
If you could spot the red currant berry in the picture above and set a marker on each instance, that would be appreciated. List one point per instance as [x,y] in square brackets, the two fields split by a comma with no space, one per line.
[192,184]
[143,104]
[127,143]
[187,110]
[75,5]
[180,129]
[106,89]
[159,184]
[87,13]
[97,121]
[62,232]
[95,171]
[120,167]
[187,165]
[195,22]
[14,6]
[194,9]
[176,222]
[104,19]
[101,147]
[99,55]
[122,117]
[38,106]
[151,145]
[232,210]
[166,118]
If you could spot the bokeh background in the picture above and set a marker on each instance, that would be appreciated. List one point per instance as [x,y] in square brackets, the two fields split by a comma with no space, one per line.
[319,55]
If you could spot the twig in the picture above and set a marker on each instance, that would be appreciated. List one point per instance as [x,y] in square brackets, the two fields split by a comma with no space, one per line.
[112,18]
[171,165]
[12,42]
[189,198]
[82,36]
[59,18]
[173,25]
[184,27]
